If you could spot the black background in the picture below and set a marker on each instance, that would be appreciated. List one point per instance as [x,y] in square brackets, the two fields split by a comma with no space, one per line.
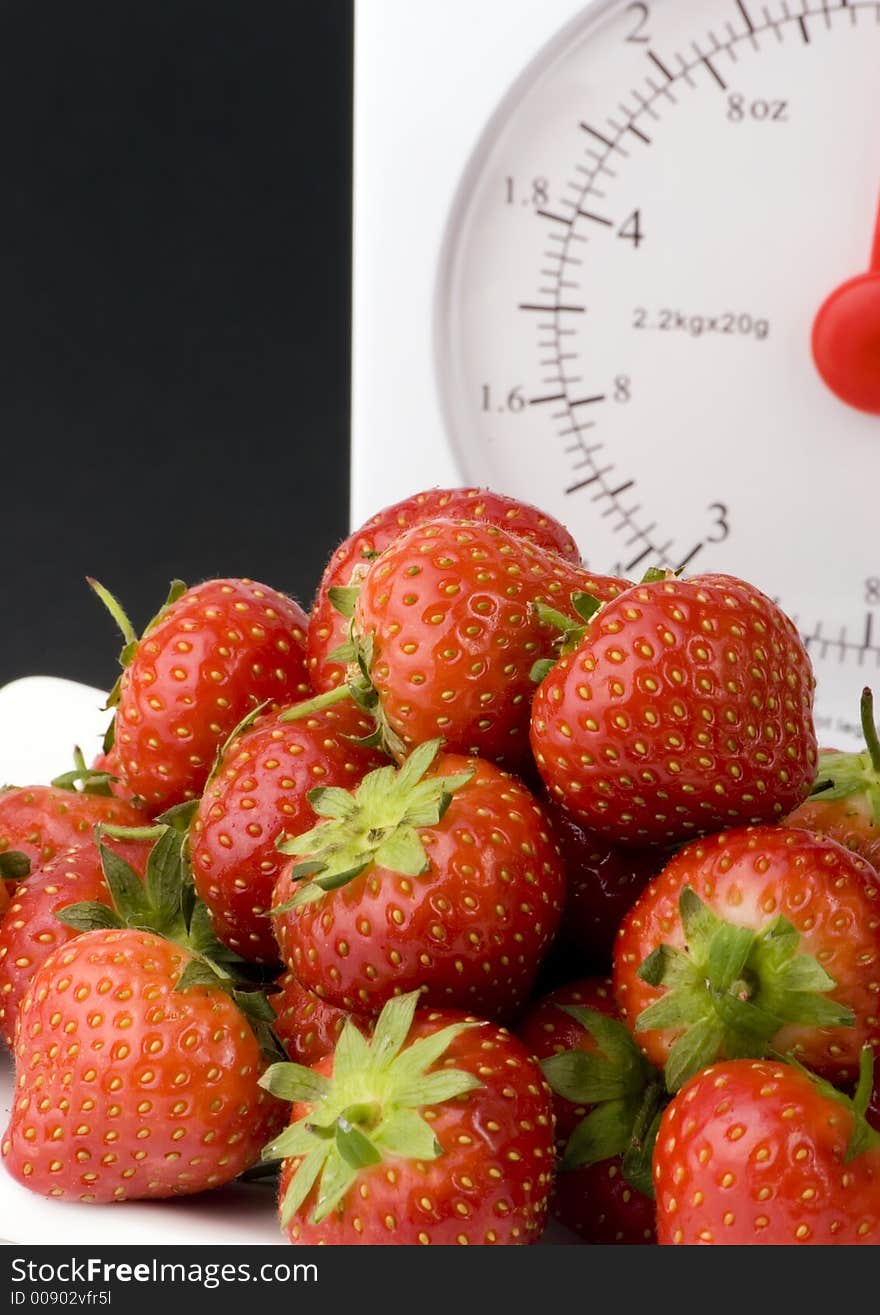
[174,307]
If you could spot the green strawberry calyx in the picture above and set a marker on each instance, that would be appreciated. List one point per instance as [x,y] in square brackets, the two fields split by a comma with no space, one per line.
[379,822]
[130,637]
[840,775]
[83,779]
[571,629]
[625,1092]
[356,653]
[862,1137]
[165,903]
[372,1108]
[732,989]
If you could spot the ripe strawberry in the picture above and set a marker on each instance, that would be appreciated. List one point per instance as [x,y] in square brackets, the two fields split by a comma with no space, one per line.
[757,940]
[132,1083]
[686,707]
[257,794]
[441,876]
[307,1026]
[605,1131]
[42,820]
[347,566]
[845,803]
[447,628]
[30,931]
[759,1153]
[438,1131]
[109,766]
[213,654]
[602,882]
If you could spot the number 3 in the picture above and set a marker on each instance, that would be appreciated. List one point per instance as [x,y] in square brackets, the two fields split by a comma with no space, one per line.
[720,523]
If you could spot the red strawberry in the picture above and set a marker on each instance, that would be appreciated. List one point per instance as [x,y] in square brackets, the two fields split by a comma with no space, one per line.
[257,795]
[440,876]
[109,766]
[214,654]
[438,1131]
[30,932]
[686,707]
[757,1153]
[130,1086]
[602,882]
[603,1191]
[757,940]
[447,628]
[42,820]
[328,630]
[307,1026]
[845,803]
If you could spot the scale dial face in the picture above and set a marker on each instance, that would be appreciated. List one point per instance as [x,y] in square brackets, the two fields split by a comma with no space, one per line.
[633,267]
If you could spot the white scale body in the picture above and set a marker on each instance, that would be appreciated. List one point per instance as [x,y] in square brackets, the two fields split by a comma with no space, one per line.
[590,242]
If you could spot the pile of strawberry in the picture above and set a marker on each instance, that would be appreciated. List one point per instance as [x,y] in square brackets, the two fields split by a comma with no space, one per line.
[492,888]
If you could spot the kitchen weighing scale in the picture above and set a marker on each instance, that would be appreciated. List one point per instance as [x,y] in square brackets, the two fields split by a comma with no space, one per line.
[615,258]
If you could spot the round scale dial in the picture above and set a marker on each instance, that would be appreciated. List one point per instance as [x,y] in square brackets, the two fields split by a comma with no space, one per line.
[644,322]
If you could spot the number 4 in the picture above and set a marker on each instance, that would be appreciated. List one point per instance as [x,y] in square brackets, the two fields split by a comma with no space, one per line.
[632,229]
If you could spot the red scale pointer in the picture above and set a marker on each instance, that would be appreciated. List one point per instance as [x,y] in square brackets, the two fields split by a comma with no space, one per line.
[846,338]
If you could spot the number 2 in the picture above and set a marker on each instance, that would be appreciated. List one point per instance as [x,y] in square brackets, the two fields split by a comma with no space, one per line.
[638,33]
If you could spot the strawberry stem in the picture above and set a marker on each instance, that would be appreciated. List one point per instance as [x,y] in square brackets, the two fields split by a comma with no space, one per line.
[132,832]
[83,779]
[869,728]
[116,610]
[841,775]
[317,704]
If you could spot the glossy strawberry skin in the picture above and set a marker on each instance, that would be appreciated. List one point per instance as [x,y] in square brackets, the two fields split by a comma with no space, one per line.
[327,629]
[220,651]
[489,1187]
[687,707]
[449,611]
[594,1201]
[128,1089]
[258,795]
[42,820]
[603,882]
[110,762]
[851,822]
[750,1152]
[30,931]
[470,933]
[307,1026]
[747,877]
